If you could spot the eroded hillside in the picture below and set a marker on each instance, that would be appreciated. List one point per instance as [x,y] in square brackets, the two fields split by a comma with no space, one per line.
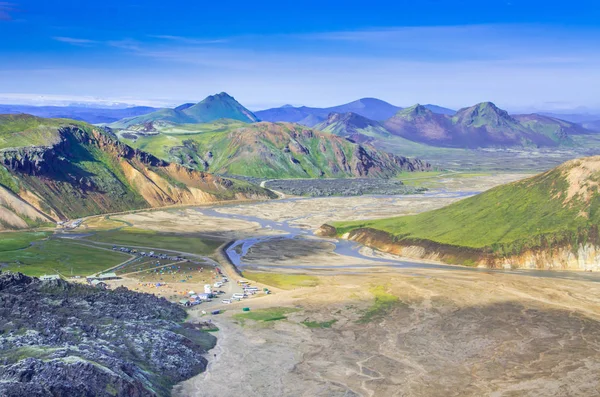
[53,170]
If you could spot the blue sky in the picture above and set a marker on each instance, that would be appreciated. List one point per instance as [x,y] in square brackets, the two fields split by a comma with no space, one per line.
[521,54]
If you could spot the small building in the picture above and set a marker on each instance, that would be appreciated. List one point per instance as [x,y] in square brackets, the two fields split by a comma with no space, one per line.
[204,297]
[99,284]
[184,302]
[49,277]
[107,276]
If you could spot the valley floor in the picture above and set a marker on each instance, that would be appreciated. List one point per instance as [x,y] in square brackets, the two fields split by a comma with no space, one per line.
[417,333]
[346,321]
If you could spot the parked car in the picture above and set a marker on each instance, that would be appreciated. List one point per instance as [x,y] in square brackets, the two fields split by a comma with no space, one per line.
[226,301]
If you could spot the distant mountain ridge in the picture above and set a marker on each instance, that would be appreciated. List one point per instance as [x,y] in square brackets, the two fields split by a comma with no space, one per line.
[213,107]
[88,114]
[371,108]
[481,125]
[478,126]
[592,125]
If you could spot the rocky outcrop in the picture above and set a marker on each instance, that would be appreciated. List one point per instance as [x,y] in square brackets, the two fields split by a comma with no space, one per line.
[62,339]
[583,257]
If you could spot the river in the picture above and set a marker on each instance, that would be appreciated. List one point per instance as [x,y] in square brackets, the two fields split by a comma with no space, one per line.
[240,248]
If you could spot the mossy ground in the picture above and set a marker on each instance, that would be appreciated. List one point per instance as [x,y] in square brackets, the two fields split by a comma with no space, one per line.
[129,236]
[317,324]
[20,240]
[54,255]
[283,281]
[265,315]
[384,303]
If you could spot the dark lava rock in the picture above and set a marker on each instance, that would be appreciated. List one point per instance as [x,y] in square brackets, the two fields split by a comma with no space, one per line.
[63,339]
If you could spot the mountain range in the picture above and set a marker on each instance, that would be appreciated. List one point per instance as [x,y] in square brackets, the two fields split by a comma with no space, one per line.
[56,169]
[482,125]
[370,108]
[88,114]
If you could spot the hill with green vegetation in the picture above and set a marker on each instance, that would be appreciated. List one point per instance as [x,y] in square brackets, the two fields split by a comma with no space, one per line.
[56,169]
[557,209]
[482,125]
[353,126]
[214,107]
[550,126]
[268,150]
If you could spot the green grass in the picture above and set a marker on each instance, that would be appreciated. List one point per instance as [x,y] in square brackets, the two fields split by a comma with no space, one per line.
[316,324]
[20,130]
[384,303]
[265,315]
[20,240]
[283,281]
[21,353]
[505,219]
[147,238]
[8,180]
[59,256]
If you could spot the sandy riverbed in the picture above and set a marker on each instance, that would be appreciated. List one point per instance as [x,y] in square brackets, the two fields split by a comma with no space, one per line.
[451,334]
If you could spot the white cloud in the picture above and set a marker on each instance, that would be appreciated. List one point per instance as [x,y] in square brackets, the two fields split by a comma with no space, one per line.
[75,41]
[189,40]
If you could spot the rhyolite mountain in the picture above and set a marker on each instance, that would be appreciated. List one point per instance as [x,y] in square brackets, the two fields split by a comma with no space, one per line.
[269,150]
[371,108]
[56,169]
[550,220]
[214,107]
[92,115]
[482,125]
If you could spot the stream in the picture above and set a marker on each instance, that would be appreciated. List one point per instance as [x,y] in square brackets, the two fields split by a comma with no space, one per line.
[240,248]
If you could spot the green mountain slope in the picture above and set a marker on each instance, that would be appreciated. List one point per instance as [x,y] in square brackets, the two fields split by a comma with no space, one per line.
[214,107]
[550,126]
[558,208]
[353,126]
[52,169]
[270,150]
